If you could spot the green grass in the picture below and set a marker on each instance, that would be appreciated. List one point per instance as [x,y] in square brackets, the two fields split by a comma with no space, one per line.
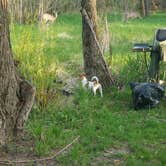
[102,123]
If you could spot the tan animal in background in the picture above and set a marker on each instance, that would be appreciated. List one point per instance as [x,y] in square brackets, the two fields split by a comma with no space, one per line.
[48,18]
[131,15]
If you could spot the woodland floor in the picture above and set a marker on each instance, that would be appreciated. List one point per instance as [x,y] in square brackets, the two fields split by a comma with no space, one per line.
[21,153]
[20,150]
[111,131]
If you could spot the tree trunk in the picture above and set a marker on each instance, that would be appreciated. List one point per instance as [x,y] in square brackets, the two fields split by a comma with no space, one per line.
[126,10]
[163,4]
[145,7]
[105,39]
[94,63]
[14,105]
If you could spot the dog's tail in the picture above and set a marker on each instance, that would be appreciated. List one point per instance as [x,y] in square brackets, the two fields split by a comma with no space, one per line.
[95,78]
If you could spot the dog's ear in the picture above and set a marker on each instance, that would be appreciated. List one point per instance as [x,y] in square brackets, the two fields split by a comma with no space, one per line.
[95,82]
[82,75]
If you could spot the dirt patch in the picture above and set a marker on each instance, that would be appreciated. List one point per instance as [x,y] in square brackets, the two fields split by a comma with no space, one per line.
[22,149]
[114,156]
[21,153]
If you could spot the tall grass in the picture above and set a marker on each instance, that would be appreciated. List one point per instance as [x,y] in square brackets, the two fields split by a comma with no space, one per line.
[30,43]
[40,48]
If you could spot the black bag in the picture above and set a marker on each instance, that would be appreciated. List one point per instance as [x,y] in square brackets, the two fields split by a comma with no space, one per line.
[146,95]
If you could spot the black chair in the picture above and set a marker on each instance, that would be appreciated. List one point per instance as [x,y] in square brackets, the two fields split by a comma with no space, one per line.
[155,53]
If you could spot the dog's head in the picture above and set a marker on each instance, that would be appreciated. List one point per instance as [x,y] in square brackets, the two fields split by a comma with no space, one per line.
[95,79]
[82,76]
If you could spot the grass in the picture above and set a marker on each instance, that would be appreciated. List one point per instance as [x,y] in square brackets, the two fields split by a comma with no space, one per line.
[102,123]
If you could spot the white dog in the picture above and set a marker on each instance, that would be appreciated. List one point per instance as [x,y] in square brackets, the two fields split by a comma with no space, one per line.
[93,84]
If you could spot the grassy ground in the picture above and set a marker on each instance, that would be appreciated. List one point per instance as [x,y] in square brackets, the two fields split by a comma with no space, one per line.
[111,131]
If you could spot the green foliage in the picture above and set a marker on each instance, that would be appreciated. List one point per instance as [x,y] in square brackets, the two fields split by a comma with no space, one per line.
[36,63]
[102,123]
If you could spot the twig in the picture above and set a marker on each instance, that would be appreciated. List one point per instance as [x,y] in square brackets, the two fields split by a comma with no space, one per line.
[41,159]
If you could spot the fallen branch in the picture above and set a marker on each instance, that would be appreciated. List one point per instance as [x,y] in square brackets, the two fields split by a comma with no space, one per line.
[41,159]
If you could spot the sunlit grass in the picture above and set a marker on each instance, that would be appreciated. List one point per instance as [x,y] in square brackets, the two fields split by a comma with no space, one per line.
[37,64]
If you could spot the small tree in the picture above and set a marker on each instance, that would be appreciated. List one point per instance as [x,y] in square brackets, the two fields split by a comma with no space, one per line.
[94,63]
[163,4]
[145,7]
[16,94]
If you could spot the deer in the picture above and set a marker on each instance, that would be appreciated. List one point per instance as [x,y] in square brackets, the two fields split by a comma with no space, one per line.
[48,18]
[131,15]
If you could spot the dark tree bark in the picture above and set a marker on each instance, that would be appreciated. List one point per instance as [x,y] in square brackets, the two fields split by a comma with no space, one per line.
[145,7]
[16,94]
[163,4]
[94,63]
[126,10]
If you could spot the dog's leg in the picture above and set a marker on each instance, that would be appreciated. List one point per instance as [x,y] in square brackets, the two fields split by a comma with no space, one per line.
[94,91]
